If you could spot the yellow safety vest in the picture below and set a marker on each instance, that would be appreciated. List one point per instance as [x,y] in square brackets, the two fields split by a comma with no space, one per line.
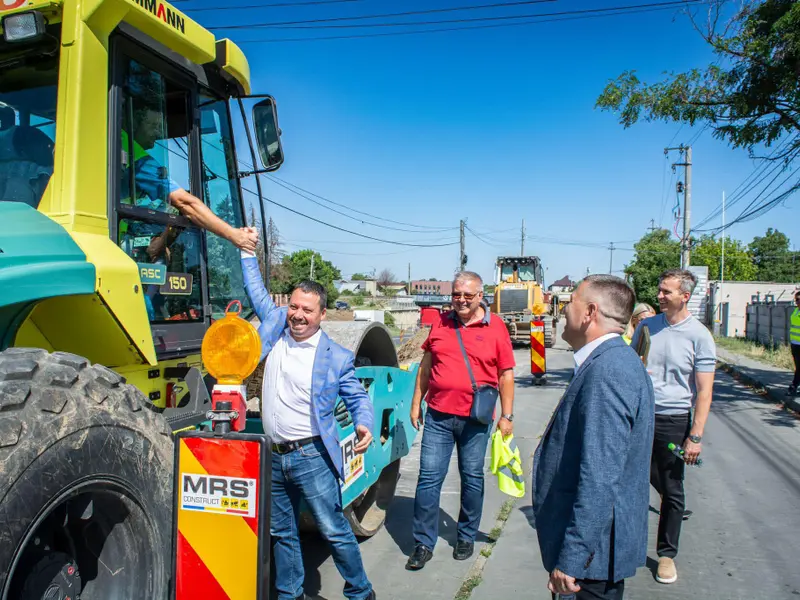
[794,332]
[507,465]
[627,340]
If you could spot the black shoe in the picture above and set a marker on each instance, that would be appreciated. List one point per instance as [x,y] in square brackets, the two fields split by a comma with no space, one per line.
[687,514]
[463,550]
[418,559]
[792,391]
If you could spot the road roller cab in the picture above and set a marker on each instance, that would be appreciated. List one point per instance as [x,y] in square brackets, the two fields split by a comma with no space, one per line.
[107,291]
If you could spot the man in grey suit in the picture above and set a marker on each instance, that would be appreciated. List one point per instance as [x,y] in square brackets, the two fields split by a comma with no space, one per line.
[592,468]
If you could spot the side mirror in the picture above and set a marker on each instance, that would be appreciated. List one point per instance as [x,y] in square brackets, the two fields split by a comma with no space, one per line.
[268,134]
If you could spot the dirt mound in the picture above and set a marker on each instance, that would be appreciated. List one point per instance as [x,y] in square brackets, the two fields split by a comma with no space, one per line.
[339,315]
[411,350]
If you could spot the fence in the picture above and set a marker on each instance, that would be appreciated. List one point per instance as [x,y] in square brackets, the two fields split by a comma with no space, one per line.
[768,322]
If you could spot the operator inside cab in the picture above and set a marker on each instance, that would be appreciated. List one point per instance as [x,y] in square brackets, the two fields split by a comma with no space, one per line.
[26,160]
[155,190]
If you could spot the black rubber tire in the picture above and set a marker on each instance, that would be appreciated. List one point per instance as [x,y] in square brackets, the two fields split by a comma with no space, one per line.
[368,514]
[65,423]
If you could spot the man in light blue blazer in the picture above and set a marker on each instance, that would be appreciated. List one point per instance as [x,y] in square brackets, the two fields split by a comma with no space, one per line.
[305,373]
[592,468]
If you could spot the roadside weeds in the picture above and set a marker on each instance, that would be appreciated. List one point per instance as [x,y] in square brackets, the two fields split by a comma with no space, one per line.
[475,574]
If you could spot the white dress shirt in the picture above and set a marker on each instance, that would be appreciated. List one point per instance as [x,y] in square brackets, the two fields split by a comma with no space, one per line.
[286,394]
[581,355]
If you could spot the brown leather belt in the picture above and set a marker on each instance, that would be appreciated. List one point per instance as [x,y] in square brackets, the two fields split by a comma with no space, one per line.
[286,447]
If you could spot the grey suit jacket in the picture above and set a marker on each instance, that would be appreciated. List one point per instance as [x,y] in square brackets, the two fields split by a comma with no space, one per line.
[591,473]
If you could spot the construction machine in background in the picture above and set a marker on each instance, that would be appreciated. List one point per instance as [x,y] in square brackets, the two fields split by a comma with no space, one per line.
[519,298]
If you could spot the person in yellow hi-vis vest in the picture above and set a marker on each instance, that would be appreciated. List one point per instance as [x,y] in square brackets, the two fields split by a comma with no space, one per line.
[506,463]
[794,339]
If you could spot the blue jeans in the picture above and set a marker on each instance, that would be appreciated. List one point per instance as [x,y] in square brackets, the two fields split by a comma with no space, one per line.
[308,474]
[441,433]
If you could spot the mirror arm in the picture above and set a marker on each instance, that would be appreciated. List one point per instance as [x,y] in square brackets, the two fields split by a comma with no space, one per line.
[243,174]
[255,172]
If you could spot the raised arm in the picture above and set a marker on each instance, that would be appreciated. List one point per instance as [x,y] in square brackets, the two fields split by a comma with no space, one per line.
[256,290]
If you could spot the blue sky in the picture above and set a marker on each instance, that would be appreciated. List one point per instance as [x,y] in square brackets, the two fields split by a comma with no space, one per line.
[490,125]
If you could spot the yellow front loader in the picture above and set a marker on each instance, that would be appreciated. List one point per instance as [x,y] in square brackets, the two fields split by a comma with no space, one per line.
[520,299]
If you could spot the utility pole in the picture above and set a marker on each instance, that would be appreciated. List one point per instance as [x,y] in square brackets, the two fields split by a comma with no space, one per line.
[462,262]
[652,225]
[722,266]
[687,203]
[312,265]
[611,258]
[522,240]
[409,278]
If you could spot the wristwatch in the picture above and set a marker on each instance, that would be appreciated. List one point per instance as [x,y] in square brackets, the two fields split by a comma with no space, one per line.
[508,417]
[695,439]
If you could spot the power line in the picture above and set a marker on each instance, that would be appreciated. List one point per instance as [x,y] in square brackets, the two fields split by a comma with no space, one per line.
[449,29]
[395,242]
[276,5]
[322,250]
[276,179]
[357,219]
[589,12]
[386,15]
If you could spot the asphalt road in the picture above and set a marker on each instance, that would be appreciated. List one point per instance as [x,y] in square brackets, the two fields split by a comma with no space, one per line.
[741,543]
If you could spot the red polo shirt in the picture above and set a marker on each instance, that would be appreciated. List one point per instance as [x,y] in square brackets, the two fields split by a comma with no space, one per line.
[489,349]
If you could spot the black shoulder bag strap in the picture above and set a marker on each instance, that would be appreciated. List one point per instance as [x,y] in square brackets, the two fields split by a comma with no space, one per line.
[466,358]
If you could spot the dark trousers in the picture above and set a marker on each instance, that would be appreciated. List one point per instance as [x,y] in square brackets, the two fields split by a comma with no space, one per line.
[796,357]
[443,432]
[595,590]
[666,476]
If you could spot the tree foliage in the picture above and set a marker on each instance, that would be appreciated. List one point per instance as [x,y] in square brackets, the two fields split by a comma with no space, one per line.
[749,96]
[655,253]
[773,259]
[739,264]
[296,267]
[358,277]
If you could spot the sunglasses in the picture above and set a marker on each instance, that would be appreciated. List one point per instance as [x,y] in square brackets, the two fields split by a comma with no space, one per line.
[467,297]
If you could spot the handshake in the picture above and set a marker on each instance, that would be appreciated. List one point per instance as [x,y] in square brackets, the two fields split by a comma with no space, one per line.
[245,238]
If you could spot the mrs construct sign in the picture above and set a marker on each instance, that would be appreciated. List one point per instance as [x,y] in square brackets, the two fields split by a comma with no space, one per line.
[353,463]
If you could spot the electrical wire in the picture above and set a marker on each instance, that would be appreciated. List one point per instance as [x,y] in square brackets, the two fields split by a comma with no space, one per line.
[276,5]
[449,29]
[386,15]
[369,237]
[616,10]
[357,219]
[276,179]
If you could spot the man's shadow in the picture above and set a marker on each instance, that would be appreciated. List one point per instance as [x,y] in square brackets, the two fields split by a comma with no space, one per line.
[399,518]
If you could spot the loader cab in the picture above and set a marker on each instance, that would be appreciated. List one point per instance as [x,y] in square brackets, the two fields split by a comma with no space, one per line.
[28,93]
[519,269]
[171,128]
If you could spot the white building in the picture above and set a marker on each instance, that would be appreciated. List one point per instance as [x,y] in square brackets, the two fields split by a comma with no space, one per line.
[727,302]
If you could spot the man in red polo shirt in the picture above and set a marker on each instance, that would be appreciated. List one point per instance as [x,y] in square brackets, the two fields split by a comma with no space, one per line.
[444,377]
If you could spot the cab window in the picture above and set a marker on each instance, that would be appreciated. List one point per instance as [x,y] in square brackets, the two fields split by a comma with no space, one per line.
[28,94]
[220,180]
[154,162]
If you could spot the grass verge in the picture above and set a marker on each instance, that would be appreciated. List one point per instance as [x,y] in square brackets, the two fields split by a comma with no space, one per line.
[475,575]
[778,356]
[465,591]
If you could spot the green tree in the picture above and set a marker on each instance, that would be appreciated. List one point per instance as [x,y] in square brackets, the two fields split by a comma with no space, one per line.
[749,95]
[297,266]
[739,264]
[773,259]
[655,253]
[358,277]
